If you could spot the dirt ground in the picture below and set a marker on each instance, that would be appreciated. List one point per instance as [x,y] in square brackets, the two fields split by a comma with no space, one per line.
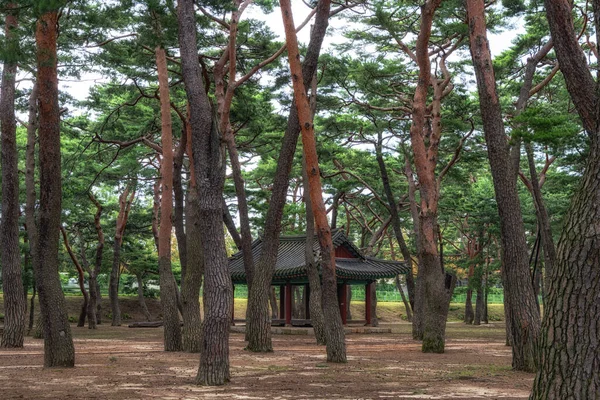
[125,363]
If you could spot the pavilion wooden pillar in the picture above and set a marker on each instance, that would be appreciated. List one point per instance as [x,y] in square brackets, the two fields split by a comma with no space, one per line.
[307,301]
[342,300]
[368,295]
[288,304]
[281,314]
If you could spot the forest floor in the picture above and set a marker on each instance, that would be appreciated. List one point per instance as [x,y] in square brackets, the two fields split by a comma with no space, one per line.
[125,363]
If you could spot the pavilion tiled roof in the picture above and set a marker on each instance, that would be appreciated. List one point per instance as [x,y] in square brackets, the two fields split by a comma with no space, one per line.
[290,261]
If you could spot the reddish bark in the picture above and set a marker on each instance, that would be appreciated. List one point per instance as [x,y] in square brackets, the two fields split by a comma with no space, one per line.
[432,294]
[168,286]
[336,347]
[259,321]
[58,342]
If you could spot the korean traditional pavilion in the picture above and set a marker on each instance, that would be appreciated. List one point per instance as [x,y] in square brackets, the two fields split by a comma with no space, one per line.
[352,268]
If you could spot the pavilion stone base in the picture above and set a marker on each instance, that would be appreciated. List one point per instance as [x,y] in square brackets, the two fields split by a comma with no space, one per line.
[280,330]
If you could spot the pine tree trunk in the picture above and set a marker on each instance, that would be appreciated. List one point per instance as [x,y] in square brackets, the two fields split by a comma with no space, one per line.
[240,191]
[519,301]
[230,224]
[209,171]
[125,201]
[190,289]
[472,252]
[178,194]
[38,329]
[141,299]
[30,193]
[298,303]
[469,314]
[113,288]
[434,290]
[542,216]
[92,302]
[334,331]
[94,308]
[259,324]
[417,322]
[569,349]
[168,286]
[374,319]
[15,304]
[478,306]
[393,209]
[486,289]
[80,279]
[406,304]
[58,343]
[98,304]
[31,310]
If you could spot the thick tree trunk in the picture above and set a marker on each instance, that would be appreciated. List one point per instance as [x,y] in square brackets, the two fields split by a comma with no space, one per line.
[58,343]
[434,290]
[259,323]
[190,289]
[569,349]
[334,331]
[168,286]
[314,281]
[15,304]
[519,297]
[141,299]
[209,170]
